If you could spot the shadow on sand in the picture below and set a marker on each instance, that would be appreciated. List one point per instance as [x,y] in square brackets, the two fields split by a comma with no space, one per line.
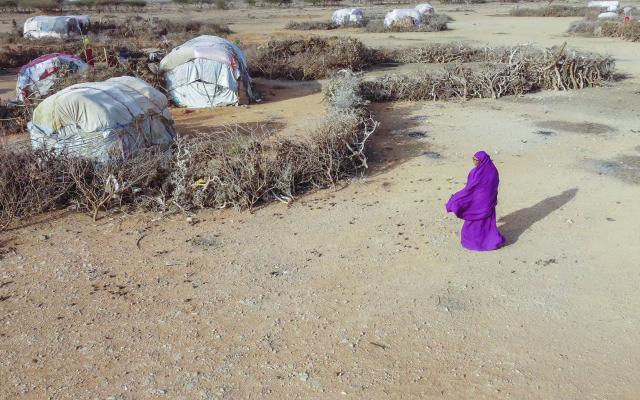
[516,223]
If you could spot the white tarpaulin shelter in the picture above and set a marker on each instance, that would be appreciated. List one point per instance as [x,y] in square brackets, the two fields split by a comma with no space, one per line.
[61,27]
[103,121]
[609,5]
[403,16]
[608,14]
[36,78]
[204,72]
[425,8]
[348,16]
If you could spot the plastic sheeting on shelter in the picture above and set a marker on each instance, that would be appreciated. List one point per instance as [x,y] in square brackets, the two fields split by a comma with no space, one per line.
[609,5]
[608,14]
[38,77]
[402,16]
[103,121]
[59,27]
[204,72]
[425,8]
[348,16]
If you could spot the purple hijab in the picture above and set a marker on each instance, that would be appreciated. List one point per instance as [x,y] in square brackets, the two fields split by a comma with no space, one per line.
[479,197]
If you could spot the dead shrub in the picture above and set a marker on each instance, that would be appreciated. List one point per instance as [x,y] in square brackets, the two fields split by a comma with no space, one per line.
[13,118]
[608,27]
[585,27]
[31,182]
[310,26]
[98,187]
[550,11]
[629,30]
[306,59]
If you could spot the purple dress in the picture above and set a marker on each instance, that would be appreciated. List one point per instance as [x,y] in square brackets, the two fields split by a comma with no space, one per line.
[476,204]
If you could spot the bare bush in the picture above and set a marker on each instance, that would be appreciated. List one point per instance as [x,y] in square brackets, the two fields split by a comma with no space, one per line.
[305,59]
[551,11]
[98,187]
[629,30]
[13,118]
[609,27]
[310,26]
[585,27]
[30,183]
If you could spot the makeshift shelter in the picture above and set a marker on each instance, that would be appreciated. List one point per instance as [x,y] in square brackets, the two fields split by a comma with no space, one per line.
[103,121]
[205,72]
[425,9]
[62,27]
[348,16]
[608,5]
[38,77]
[404,17]
[608,14]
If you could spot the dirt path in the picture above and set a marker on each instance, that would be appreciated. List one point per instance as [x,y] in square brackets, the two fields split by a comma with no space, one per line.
[362,291]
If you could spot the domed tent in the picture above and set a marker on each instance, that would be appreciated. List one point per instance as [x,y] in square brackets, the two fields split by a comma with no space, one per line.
[205,71]
[36,78]
[103,121]
[348,16]
[425,8]
[59,27]
[403,17]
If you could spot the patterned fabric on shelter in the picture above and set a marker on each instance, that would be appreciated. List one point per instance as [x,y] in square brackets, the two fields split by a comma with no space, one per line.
[36,78]
[204,72]
[103,121]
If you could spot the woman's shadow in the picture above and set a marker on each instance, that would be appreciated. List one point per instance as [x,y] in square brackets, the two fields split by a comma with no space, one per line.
[516,223]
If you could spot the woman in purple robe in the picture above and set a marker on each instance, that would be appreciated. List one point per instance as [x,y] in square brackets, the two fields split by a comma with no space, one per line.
[476,204]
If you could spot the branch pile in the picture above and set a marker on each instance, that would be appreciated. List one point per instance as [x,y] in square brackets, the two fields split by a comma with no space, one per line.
[307,59]
[498,72]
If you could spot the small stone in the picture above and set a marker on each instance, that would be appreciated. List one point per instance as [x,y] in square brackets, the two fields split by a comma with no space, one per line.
[43,237]
[303,376]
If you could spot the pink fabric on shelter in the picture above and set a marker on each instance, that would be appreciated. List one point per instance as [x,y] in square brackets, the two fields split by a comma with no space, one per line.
[45,58]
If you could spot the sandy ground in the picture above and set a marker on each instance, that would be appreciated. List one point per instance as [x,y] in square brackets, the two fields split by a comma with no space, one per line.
[361,292]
